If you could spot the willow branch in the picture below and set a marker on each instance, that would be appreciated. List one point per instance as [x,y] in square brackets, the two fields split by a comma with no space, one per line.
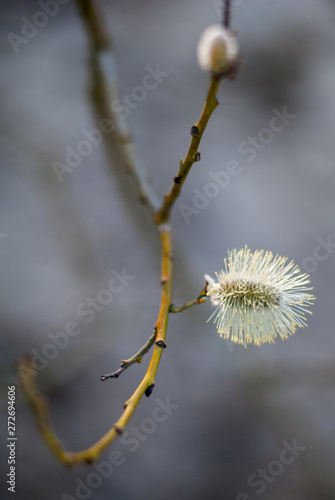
[105,91]
[99,44]
[200,300]
[226,13]
[192,154]
[40,406]
[137,358]
[39,402]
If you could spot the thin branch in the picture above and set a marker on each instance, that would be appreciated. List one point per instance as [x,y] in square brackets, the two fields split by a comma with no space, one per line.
[97,33]
[193,155]
[187,305]
[105,91]
[226,13]
[40,406]
[103,95]
[200,300]
[137,358]
[38,401]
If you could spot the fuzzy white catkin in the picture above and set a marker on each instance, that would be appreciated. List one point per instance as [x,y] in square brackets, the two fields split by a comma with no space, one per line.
[217,49]
[258,297]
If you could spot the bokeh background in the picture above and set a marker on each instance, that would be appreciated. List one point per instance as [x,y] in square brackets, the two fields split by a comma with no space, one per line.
[61,241]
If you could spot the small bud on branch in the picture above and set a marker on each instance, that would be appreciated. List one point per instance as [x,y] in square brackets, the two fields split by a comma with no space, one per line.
[217,50]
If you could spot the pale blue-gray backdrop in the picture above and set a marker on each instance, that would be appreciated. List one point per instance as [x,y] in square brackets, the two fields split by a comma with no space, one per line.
[234,408]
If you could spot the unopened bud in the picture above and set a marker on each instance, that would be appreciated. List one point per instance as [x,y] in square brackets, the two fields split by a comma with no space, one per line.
[217,49]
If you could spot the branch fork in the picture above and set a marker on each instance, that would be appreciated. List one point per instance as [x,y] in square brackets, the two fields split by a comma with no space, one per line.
[161,217]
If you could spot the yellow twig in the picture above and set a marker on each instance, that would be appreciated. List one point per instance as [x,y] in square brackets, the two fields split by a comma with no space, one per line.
[39,401]
[200,300]
[162,220]
[136,358]
[193,154]
[105,90]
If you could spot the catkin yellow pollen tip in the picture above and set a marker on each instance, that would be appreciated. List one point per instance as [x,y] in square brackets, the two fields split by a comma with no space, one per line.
[217,49]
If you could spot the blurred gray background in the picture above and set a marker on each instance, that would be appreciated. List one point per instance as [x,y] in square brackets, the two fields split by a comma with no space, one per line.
[60,242]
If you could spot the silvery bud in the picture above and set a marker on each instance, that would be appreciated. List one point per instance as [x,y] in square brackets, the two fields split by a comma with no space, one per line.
[217,49]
